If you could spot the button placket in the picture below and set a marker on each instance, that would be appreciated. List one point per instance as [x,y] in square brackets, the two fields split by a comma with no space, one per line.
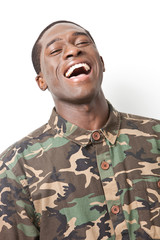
[108,180]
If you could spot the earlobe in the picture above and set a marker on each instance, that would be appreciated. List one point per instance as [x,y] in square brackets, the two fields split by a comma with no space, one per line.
[41,82]
[102,63]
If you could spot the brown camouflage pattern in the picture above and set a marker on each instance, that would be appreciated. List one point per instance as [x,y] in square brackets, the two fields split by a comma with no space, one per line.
[53,187]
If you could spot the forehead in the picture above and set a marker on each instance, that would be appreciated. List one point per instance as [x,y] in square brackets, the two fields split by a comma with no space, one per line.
[60,30]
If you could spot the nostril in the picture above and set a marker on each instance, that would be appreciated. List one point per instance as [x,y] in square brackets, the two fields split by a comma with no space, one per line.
[79,53]
[69,55]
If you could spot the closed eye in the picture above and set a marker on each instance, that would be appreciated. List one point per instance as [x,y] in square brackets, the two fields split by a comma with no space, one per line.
[85,43]
[55,52]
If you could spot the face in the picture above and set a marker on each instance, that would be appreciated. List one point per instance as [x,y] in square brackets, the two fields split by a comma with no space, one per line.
[71,67]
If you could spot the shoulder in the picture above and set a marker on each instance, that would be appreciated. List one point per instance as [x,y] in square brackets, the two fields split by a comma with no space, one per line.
[143,124]
[26,145]
[139,119]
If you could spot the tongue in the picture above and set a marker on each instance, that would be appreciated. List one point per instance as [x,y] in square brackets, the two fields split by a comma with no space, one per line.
[78,71]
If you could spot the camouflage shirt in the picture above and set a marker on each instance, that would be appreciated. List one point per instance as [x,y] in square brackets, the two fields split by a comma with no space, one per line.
[64,182]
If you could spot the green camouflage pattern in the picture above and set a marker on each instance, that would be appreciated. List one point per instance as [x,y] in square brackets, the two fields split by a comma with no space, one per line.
[53,186]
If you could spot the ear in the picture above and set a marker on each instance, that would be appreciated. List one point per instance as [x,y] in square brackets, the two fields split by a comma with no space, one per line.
[102,63]
[41,82]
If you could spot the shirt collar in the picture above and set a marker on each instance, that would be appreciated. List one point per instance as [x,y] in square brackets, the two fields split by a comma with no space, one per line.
[84,137]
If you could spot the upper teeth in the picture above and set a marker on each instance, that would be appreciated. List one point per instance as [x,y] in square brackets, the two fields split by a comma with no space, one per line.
[71,69]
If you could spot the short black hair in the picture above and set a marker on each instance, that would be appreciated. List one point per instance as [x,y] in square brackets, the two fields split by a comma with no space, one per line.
[36,50]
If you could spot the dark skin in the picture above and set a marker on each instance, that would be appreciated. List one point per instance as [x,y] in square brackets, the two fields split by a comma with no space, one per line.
[79,99]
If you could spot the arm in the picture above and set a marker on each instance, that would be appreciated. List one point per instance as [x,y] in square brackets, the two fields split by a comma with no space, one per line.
[17,216]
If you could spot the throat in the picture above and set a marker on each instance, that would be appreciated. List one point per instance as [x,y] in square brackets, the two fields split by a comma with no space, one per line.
[87,116]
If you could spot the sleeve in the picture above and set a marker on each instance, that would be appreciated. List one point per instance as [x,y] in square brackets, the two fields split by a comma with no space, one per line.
[17,216]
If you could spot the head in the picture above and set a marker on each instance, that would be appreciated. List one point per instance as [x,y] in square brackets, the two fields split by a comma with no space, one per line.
[36,51]
[67,61]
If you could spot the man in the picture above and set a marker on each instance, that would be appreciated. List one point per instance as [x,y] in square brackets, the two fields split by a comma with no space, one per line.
[90,172]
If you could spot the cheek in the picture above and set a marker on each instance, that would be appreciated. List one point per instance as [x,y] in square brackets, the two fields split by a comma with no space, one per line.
[99,68]
[46,65]
[48,72]
[53,80]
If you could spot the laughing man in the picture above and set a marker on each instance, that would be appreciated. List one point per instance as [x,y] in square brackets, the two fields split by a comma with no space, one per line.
[91,172]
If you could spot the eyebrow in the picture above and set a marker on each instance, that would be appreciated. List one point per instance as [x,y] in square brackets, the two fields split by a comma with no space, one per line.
[59,39]
[52,41]
[79,33]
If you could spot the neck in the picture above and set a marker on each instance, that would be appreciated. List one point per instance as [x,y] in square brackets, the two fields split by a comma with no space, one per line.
[89,116]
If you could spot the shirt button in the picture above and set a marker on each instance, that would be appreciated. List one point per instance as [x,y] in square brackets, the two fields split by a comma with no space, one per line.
[96,135]
[115,209]
[104,165]
[158,184]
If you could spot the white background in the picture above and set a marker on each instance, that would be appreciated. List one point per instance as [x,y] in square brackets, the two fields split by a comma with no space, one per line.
[127,34]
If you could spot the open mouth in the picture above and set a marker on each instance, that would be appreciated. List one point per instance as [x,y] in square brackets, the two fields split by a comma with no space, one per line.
[77,69]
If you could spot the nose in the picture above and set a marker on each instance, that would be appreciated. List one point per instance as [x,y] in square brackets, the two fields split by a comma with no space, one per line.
[71,51]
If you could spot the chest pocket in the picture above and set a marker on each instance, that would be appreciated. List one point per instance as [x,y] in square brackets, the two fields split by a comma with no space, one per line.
[147,197]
